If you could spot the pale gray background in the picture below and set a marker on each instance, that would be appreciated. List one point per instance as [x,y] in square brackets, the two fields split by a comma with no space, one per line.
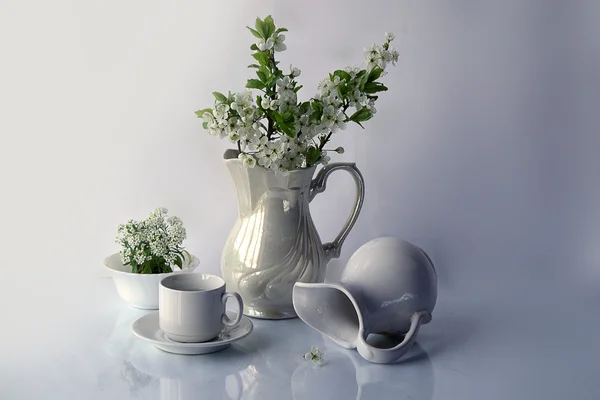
[484,151]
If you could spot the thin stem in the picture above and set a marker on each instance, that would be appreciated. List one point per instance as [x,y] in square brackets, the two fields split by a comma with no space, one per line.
[274,69]
[239,146]
[325,141]
[270,128]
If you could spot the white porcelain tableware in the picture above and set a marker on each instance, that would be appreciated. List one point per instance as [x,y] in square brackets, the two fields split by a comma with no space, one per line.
[140,290]
[388,287]
[192,307]
[274,242]
[147,328]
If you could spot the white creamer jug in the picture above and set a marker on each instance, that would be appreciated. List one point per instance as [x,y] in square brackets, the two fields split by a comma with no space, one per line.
[388,287]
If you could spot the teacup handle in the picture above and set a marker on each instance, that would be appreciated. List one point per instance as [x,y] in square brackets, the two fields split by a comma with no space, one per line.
[226,320]
[319,184]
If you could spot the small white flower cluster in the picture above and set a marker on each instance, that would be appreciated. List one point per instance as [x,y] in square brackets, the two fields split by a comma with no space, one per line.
[234,121]
[155,241]
[381,56]
[282,155]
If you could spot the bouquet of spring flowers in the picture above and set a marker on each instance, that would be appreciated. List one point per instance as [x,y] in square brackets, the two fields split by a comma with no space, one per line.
[153,245]
[277,131]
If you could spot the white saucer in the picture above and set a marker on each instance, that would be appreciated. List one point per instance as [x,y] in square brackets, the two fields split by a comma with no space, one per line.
[147,328]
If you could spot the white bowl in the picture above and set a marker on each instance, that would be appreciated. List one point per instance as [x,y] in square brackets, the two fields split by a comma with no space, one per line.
[140,290]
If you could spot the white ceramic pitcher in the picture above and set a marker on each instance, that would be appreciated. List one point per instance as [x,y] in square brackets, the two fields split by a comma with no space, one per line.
[388,287]
[274,242]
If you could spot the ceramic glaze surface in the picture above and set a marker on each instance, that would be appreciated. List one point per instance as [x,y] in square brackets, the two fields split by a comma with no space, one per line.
[147,328]
[140,290]
[388,287]
[192,307]
[274,242]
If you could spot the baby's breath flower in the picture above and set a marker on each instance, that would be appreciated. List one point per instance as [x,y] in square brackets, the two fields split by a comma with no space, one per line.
[154,244]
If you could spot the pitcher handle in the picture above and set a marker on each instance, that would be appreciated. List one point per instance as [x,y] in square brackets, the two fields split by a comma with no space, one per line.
[319,184]
[384,356]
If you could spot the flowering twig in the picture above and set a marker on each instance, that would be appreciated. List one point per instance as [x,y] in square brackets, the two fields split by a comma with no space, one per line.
[287,140]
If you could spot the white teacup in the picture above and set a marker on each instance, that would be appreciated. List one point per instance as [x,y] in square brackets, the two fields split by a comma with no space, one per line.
[192,307]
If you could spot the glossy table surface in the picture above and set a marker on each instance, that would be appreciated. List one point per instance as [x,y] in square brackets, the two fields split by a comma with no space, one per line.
[519,342]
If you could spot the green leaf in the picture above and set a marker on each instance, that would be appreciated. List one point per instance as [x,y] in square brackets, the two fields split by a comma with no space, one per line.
[283,122]
[269,26]
[260,27]
[374,87]
[312,155]
[281,30]
[262,57]
[254,47]
[253,66]
[220,97]
[363,81]
[265,71]
[343,89]
[255,33]
[343,75]
[270,80]
[275,116]
[179,261]
[287,117]
[361,115]
[255,84]
[297,88]
[304,107]
[374,74]
[287,129]
[318,110]
[205,125]
[200,113]
[261,75]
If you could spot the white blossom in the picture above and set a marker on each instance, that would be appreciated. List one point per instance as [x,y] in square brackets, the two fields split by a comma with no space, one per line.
[339,122]
[221,111]
[278,40]
[249,161]
[269,104]
[315,356]
[395,56]
[263,44]
[389,36]
[294,72]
